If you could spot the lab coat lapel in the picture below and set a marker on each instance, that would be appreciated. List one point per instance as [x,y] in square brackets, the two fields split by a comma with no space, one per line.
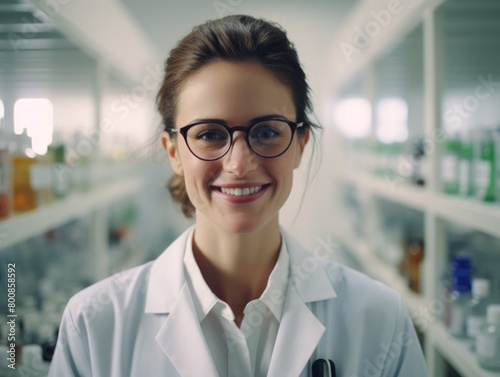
[181,338]
[300,331]
[298,336]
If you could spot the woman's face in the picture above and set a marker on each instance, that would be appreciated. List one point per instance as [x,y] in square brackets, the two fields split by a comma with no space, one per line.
[236,93]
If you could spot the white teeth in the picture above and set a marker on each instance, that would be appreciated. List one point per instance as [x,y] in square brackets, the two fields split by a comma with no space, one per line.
[241,192]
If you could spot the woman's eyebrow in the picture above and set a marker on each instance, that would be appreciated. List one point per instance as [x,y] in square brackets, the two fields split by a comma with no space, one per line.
[266,117]
[253,120]
[207,120]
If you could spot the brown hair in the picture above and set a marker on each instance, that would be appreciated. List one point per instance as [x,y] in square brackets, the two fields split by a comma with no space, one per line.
[231,38]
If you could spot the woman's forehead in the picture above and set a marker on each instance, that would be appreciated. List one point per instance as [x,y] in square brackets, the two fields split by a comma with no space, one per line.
[235,91]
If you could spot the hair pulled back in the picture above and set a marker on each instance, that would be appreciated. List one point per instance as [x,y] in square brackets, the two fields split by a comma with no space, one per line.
[231,38]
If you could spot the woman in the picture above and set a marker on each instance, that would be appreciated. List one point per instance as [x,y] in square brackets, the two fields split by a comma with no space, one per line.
[235,295]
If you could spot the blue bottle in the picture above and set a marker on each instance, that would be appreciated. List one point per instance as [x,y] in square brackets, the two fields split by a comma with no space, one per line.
[461,295]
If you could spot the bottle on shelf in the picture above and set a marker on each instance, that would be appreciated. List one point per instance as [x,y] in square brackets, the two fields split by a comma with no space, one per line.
[488,340]
[415,256]
[41,178]
[477,308]
[419,162]
[497,162]
[465,168]
[449,166]
[484,166]
[460,295]
[60,171]
[4,175]
[24,197]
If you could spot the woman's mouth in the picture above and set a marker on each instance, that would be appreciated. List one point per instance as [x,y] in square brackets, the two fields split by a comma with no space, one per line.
[241,194]
[241,191]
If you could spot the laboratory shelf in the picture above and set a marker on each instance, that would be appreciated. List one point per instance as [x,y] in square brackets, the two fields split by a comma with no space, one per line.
[474,214]
[421,58]
[24,226]
[457,352]
[484,217]
[389,188]
[377,269]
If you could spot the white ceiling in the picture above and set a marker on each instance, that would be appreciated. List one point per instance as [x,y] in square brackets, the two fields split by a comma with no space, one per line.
[133,34]
[167,21]
[310,24]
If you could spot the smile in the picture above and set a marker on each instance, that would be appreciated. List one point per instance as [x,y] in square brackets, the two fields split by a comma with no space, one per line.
[240,191]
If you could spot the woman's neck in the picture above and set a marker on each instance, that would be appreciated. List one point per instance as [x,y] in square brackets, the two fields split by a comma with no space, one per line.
[236,267]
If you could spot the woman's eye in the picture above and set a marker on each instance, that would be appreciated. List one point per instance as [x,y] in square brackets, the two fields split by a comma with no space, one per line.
[211,135]
[265,133]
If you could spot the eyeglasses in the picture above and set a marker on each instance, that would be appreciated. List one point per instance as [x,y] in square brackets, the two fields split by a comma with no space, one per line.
[210,141]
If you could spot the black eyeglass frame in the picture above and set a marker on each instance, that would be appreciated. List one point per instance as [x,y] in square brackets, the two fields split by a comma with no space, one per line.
[231,130]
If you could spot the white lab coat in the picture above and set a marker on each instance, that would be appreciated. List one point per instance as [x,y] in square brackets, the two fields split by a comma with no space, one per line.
[142,322]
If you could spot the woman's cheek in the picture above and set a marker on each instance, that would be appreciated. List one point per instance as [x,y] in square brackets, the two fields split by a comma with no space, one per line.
[198,190]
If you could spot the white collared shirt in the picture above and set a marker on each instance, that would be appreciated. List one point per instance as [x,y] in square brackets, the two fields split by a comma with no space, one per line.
[244,351]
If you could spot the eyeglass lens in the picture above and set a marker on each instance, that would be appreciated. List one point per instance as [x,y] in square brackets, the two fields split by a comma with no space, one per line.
[267,138]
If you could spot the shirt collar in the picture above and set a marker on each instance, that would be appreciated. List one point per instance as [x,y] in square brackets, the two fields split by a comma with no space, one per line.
[203,296]
[275,291]
[205,300]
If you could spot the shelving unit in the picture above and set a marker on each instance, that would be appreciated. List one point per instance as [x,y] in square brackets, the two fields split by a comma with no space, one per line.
[457,352]
[471,213]
[444,40]
[24,226]
[377,269]
[76,64]
[412,196]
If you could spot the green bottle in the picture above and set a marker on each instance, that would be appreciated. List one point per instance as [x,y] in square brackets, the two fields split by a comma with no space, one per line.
[60,171]
[497,162]
[485,168]
[466,158]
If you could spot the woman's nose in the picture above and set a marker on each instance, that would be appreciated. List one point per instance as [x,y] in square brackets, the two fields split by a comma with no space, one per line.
[240,159]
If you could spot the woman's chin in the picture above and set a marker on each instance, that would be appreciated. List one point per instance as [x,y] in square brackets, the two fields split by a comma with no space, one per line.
[243,223]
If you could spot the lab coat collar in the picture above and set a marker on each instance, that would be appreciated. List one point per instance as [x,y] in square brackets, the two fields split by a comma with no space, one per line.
[300,331]
[307,274]
[167,277]
[182,340]
[298,334]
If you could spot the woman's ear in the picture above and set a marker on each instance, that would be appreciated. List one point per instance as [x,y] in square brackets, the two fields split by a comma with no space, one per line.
[170,146]
[302,140]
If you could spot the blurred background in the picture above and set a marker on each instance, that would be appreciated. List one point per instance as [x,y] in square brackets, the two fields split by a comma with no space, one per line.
[403,183]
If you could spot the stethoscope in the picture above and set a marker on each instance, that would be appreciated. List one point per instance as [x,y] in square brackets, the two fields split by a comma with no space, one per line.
[323,368]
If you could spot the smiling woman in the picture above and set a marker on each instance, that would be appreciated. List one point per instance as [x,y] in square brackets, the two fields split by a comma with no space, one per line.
[244,40]
[235,294]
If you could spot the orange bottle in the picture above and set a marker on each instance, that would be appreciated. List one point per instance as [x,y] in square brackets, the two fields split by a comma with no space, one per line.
[24,197]
[4,179]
